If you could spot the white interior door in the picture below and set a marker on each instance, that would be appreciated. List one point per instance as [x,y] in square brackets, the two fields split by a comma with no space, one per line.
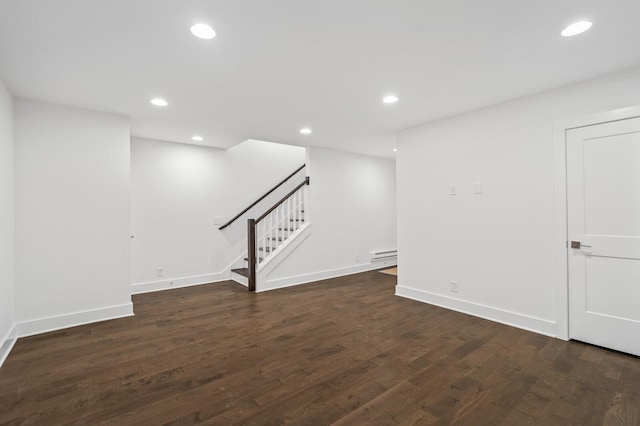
[603,196]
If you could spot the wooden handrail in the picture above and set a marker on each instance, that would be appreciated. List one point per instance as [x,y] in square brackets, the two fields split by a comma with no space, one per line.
[283,199]
[262,198]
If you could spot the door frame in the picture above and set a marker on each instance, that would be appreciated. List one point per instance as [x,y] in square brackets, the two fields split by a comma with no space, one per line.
[560,221]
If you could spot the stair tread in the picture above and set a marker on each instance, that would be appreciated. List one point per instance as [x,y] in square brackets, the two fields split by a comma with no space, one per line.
[241,271]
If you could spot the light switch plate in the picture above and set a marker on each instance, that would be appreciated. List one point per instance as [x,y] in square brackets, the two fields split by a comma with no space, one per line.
[477,188]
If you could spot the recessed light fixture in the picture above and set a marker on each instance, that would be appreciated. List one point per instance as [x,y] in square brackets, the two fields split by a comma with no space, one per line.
[203,31]
[395,149]
[576,28]
[305,131]
[197,138]
[390,99]
[159,102]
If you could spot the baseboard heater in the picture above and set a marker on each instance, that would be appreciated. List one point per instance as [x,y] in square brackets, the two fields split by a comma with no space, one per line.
[383,255]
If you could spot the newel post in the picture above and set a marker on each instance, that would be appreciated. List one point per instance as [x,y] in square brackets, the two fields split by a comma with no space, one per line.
[251,234]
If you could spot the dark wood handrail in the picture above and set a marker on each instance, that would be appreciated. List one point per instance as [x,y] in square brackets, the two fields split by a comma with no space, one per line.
[262,198]
[283,199]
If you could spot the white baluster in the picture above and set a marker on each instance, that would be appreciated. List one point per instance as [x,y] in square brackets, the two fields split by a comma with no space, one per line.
[274,228]
[306,202]
[295,219]
[260,242]
[302,196]
[267,243]
[299,207]
[278,221]
[279,224]
[295,210]
[274,220]
[258,236]
[263,236]
[301,204]
[286,222]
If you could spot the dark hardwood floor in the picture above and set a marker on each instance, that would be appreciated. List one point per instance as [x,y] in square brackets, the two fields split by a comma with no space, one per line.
[343,351]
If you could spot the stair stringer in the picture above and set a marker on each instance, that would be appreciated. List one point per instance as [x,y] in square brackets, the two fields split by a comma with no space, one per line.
[281,253]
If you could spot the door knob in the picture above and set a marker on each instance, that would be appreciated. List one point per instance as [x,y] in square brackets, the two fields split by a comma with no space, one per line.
[578,245]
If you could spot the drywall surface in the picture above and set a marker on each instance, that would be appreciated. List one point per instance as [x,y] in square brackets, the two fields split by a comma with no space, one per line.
[494,236]
[178,192]
[352,209]
[72,216]
[7,223]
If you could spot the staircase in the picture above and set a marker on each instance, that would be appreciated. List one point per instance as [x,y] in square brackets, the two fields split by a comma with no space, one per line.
[272,244]
[272,233]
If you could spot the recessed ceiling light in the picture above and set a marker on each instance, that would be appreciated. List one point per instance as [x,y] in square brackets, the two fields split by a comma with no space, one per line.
[391,99]
[577,28]
[197,138]
[159,102]
[305,131]
[203,31]
[395,149]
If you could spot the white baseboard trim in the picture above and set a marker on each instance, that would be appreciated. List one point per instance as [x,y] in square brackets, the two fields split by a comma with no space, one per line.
[45,325]
[151,286]
[171,283]
[6,344]
[323,275]
[525,322]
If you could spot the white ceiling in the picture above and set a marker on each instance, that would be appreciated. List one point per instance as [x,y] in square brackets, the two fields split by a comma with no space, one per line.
[278,65]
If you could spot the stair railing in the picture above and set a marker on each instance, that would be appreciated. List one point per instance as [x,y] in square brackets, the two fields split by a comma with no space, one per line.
[269,232]
[236,217]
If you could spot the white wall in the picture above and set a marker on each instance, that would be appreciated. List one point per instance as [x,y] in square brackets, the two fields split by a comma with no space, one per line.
[352,211]
[7,224]
[178,190]
[497,245]
[72,216]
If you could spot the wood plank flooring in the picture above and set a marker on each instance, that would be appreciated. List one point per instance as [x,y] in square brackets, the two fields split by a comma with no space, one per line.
[344,351]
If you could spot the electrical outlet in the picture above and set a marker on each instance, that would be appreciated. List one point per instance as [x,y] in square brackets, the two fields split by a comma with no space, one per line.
[454,287]
[159,271]
[357,258]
